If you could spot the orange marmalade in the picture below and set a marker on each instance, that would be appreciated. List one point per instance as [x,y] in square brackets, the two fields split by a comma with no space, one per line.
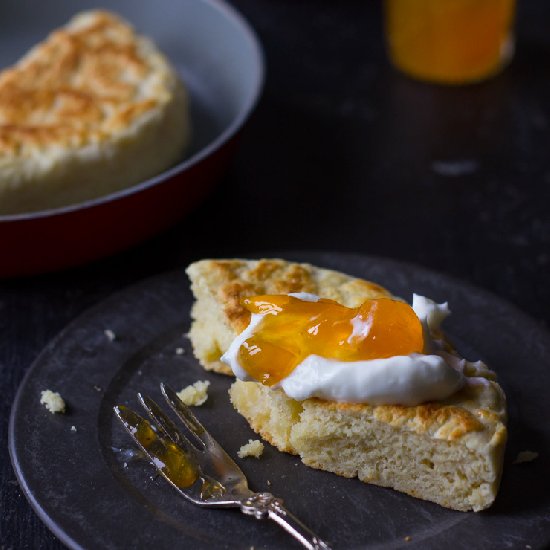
[292,329]
[450,41]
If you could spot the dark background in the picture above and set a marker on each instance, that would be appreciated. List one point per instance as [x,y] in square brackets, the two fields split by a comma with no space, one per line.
[342,154]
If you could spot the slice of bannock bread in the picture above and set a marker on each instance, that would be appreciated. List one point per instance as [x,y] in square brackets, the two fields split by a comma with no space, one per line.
[449,452]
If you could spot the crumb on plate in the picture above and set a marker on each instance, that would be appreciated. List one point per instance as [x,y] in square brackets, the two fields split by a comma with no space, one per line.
[180,351]
[525,456]
[254,448]
[110,334]
[195,394]
[52,401]
[73,428]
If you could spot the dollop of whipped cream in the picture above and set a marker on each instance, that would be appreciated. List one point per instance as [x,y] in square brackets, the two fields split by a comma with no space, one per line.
[398,380]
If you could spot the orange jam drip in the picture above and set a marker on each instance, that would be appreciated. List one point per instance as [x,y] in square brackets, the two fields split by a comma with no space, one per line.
[292,329]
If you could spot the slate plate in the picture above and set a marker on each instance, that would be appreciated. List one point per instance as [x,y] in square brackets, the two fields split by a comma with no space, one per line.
[85,493]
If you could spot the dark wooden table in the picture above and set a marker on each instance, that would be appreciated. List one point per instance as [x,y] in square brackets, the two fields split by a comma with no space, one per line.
[343,154]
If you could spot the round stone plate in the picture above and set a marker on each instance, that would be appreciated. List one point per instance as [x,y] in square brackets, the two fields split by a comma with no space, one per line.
[92,494]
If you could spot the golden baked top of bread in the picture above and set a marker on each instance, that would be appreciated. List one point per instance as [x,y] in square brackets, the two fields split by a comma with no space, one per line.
[233,279]
[86,82]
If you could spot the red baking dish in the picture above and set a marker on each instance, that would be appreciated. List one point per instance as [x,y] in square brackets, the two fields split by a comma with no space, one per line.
[221,63]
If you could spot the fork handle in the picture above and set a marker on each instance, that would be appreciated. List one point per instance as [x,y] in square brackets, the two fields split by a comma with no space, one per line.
[265,505]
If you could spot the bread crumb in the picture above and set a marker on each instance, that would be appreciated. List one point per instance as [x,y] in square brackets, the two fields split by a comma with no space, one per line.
[73,428]
[180,351]
[268,483]
[52,401]
[254,448]
[195,394]
[525,456]
[455,168]
[408,538]
[110,334]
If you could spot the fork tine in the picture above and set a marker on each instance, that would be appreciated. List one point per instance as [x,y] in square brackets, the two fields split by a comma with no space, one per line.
[185,415]
[171,461]
[214,459]
[165,424]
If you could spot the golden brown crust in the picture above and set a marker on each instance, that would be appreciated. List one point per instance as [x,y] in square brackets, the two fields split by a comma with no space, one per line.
[280,278]
[425,417]
[80,86]
[232,280]
[450,422]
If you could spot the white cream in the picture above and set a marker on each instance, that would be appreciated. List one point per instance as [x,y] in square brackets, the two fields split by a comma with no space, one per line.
[406,380]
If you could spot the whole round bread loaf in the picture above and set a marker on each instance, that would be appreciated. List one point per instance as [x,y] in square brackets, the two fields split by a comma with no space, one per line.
[93,109]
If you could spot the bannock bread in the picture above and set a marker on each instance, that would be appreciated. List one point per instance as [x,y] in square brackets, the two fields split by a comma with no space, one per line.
[93,109]
[449,452]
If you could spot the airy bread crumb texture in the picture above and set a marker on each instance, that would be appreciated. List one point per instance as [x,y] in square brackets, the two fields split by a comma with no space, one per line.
[52,401]
[91,110]
[436,452]
[253,448]
[196,394]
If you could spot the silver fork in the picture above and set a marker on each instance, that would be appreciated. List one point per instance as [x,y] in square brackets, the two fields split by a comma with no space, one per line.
[202,471]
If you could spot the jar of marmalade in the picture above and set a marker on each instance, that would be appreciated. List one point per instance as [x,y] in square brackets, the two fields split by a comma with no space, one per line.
[450,41]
